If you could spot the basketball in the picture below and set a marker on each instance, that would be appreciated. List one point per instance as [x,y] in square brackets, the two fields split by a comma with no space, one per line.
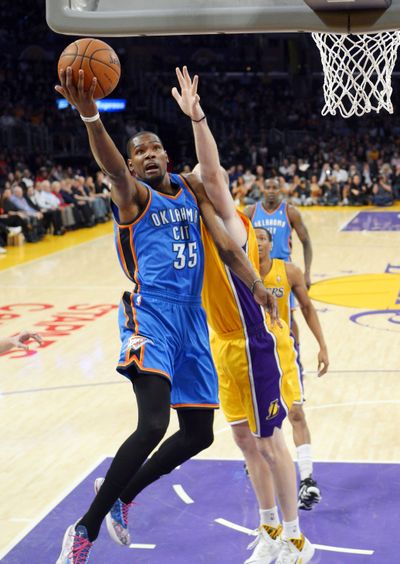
[95,58]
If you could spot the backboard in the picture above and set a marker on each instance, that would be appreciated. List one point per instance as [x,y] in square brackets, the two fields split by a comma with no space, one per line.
[177,17]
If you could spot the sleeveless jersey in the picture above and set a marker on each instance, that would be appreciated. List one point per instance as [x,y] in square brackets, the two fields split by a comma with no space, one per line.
[276,280]
[161,252]
[278,224]
[228,302]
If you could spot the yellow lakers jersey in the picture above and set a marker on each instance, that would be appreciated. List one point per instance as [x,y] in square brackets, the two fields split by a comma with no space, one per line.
[228,302]
[276,280]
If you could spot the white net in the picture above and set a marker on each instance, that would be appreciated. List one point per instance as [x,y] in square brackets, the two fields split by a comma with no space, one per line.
[358,71]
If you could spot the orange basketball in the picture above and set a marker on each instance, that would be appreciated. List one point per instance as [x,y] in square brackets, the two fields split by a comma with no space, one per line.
[97,59]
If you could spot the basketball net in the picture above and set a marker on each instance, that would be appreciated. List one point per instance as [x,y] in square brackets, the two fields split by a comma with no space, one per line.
[358,71]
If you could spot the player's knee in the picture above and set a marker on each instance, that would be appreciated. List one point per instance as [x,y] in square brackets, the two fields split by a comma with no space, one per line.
[245,441]
[267,450]
[201,439]
[153,432]
[296,415]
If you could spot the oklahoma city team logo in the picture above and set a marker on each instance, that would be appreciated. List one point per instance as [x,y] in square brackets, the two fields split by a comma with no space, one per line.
[137,341]
[273,409]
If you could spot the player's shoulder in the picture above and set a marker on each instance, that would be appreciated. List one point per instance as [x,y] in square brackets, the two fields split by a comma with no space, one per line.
[293,272]
[293,212]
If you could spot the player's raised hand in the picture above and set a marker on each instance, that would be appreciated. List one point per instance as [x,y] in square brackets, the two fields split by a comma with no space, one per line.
[76,95]
[188,98]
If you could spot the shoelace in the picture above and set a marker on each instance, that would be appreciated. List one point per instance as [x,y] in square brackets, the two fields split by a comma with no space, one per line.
[125,510]
[289,551]
[80,550]
[274,533]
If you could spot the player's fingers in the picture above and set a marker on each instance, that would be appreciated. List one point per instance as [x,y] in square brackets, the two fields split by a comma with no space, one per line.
[92,87]
[180,78]
[176,94]
[68,80]
[22,346]
[62,77]
[81,79]
[194,85]
[186,76]
[60,90]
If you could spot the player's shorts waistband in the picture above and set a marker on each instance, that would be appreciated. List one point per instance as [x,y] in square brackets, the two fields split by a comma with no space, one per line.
[241,333]
[180,299]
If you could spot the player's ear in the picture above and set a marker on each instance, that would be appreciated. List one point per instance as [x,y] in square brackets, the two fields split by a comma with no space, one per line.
[130,165]
[166,154]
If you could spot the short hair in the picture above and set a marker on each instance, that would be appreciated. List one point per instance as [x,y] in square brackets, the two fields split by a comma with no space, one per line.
[273,180]
[129,144]
[267,231]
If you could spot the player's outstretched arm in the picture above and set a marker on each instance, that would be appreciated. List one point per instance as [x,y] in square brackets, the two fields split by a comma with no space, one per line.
[213,176]
[126,192]
[233,255]
[19,341]
[298,285]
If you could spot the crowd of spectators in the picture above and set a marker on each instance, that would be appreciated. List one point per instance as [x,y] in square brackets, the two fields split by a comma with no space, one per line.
[51,201]
[262,101]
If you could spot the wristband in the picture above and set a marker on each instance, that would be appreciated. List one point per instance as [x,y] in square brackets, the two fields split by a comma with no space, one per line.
[199,120]
[252,287]
[91,118]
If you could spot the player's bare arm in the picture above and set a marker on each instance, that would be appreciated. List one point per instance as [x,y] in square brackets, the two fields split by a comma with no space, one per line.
[249,210]
[298,285]
[232,254]
[297,223]
[129,195]
[212,175]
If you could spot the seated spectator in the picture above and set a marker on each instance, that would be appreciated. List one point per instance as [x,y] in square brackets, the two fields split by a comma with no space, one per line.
[331,192]
[382,194]
[67,212]
[358,193]
[396,183]
[15,202]
[315,190]
[301,195]
[101,200]
[83,213]
[40,200]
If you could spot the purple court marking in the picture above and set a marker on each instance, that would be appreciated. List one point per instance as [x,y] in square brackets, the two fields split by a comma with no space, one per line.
[359,510]
[374,221]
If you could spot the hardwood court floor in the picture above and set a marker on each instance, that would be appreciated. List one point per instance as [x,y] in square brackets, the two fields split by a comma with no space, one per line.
[64,408]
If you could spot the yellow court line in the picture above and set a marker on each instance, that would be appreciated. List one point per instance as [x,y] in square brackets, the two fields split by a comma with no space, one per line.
[52,244]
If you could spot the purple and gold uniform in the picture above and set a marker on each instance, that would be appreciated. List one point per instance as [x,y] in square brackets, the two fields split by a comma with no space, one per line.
[258,379]
[277,281]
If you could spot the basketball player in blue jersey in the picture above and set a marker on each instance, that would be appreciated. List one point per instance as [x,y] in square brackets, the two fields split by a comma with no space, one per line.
[165,344]
[280,218]
[243,364]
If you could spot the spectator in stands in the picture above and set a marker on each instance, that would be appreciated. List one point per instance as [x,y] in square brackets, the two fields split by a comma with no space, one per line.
[83,213]
[301,195]
[67,210]
[396,183]
[101,200]
[17,209]
[44,202]
[331,192]
[358,194]
[315,190]
[382,194]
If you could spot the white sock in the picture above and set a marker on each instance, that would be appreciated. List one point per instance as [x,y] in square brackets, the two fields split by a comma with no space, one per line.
[304,460]
[291,529]
[269,517]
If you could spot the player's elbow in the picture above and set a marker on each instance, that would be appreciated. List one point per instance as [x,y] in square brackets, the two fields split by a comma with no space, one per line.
[227,252]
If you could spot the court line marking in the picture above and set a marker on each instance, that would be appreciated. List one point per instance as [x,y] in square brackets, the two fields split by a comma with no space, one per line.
[346,223]
[111,383]
[138,545]
[325,461]
[251,532]
[42,514]
[180,492]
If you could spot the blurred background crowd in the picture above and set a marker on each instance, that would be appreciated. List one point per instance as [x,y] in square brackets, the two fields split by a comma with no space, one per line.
[262,95]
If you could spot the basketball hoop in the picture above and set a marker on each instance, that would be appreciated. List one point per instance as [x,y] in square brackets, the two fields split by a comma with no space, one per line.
[357,71]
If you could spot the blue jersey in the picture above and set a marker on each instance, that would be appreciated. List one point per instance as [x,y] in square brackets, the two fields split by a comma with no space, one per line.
[278,224]
[161,252]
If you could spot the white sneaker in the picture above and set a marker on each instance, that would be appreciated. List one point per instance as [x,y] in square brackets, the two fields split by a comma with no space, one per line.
[116,518]
[266,546]
[14,230]
[295,551]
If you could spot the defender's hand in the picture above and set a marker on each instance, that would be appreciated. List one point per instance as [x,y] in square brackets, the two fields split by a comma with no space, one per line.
[20,340]
[323,362]
[263,297]
[188,99]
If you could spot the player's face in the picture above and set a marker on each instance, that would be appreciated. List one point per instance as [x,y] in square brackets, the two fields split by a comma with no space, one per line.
[148,158]
[272,192]
[263,242]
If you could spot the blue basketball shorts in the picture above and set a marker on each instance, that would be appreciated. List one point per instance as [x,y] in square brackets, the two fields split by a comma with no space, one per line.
[170,338]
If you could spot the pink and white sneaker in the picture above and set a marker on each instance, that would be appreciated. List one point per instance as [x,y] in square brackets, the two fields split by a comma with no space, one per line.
[76,546]
[116,519]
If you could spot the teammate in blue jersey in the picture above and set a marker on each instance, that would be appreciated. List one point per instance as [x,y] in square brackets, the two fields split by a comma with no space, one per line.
[280,218]
[165,344]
